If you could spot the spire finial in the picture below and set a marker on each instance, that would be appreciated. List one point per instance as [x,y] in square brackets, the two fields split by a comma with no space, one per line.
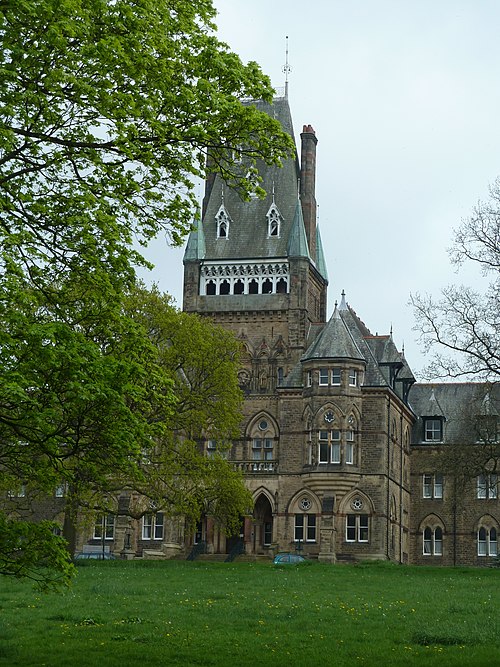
[286,68]
[343,305]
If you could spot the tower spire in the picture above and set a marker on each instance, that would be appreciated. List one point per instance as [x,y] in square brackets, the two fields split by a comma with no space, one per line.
[286,68]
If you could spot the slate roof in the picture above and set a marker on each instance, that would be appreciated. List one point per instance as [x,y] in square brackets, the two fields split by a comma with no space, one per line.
[334,342]
[346,337]
[459,404]
[248,229]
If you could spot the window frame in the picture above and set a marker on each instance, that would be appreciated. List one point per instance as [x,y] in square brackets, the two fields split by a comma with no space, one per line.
[487,487]
[433,426]
[353,377]
[322,374]
[336,377]
[329,444]
[432,485]
[305,524]
[104,527]
[432,541]
[357,528]
[153,521]
[487,546]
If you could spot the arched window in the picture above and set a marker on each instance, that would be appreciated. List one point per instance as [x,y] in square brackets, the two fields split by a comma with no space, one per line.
[487,541]
[222,220]
[239,287]
[210,288]
[282,286]
[253,286]
[305,511]
[273,221]
[267,286]
[224,287]
[263,437]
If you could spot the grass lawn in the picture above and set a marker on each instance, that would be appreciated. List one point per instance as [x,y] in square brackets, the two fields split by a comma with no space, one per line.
[179,613]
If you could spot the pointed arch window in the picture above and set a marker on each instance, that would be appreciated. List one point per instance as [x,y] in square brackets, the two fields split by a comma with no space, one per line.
[487,541]
[263,440]
[222,221]
[273,221]
[433,541]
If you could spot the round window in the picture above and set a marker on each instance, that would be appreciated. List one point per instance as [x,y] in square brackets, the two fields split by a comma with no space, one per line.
[329,417]
[263,425]
[305,504]
[357,504]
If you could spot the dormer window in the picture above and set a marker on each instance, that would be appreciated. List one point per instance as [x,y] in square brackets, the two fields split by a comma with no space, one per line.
[273,221]
[433,429]
[222,221]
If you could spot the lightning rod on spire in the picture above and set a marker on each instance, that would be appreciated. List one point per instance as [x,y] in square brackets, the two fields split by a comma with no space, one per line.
[286,68]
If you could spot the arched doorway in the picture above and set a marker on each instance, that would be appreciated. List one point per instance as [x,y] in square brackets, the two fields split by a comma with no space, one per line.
[263,524]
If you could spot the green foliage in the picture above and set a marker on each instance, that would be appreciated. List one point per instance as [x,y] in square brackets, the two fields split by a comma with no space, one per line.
[253,613]
[202,360]
[109,111]
[34,552]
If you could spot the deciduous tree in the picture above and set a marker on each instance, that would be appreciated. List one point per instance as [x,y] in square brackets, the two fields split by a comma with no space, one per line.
[462,327]
[109,111]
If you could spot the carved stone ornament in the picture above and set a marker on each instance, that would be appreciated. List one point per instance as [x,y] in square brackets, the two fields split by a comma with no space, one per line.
[357,504]
[305,503]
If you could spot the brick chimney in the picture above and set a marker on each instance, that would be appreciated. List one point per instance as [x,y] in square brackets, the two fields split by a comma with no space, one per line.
[308,185]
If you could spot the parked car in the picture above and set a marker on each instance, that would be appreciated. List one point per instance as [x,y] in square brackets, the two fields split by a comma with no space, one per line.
[94,555]
[288,559]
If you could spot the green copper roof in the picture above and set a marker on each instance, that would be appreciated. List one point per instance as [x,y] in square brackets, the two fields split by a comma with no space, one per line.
[320,256]
[297,241]
[195,247]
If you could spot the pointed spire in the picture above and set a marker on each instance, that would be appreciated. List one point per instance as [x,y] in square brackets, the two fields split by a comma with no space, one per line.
[334,342]
[297,242]
[286,68]
[343,304]
[320,256]
[195,247]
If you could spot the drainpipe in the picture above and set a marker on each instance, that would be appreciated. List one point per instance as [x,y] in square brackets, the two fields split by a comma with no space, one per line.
[388,499]
[401,480]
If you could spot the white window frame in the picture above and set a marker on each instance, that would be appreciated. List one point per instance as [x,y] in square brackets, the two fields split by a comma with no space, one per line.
[329,444]
[104,525]
[433,429]
[353,377]
[432,485]
[487,487]
[349,453]
[153,526]
[357,528]
[309,380]
[323,377]
[336,377]
[305,524]
[487,541]
[432,541]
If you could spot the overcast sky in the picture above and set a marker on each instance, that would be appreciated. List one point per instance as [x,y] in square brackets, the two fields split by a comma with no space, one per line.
[404,96]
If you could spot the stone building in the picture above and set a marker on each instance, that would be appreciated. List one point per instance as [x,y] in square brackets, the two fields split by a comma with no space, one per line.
[338,445]
[346,456]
